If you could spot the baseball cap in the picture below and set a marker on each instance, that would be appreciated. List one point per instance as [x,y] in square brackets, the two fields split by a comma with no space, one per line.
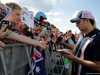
[4,11]
[82,14]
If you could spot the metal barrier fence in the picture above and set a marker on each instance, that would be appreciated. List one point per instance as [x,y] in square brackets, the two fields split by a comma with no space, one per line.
[15,57]
[54,63]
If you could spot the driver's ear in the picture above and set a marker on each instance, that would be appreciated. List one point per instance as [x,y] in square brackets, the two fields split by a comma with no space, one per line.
[87,19]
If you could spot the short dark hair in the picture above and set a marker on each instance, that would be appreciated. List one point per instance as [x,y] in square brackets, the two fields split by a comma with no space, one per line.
[91,21]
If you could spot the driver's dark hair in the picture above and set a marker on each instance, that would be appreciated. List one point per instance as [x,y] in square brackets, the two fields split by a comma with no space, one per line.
[91,21]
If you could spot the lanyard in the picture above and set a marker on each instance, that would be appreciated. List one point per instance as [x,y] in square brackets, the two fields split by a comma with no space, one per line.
[82,53]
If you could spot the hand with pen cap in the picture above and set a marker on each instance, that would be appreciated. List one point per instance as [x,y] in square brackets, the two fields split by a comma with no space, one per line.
[69,56]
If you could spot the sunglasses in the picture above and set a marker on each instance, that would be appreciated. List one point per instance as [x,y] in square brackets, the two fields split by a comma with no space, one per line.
[78,22]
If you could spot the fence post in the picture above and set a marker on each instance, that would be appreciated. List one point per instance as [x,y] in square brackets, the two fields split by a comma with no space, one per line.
[3,63]
[13,60]
[29,60]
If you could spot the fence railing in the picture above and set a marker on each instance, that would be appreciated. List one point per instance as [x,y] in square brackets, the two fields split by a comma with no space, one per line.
[15,57]
[54,63]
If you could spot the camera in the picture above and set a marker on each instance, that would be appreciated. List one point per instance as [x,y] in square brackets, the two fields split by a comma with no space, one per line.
[59,39]
[48,28]
[9,26]
[5,22]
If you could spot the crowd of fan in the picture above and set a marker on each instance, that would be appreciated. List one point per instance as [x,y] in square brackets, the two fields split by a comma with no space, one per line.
[43,35]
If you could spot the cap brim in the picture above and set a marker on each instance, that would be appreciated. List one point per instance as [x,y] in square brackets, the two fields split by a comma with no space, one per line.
[74,20]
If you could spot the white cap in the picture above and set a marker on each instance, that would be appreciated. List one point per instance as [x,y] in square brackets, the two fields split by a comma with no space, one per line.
[82,14]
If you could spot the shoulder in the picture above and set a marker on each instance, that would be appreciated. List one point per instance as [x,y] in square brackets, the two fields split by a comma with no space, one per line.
[97,33]
[97,36]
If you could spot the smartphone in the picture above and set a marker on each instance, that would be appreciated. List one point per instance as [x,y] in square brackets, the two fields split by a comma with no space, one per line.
[5,22]
[63,51]
[48,28]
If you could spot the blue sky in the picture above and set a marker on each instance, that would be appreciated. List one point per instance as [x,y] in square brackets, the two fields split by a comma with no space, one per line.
[59,12]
